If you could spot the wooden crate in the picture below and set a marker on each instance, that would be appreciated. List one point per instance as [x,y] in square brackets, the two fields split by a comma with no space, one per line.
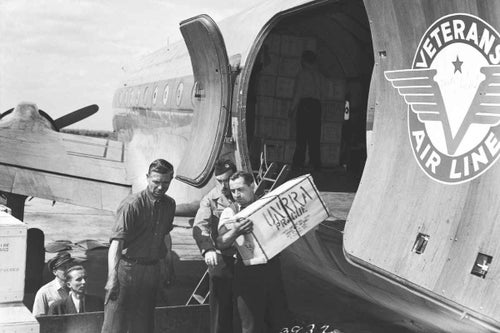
[331,132]
[279,219]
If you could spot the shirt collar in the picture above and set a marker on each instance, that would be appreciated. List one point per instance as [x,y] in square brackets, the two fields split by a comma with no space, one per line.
[57,285]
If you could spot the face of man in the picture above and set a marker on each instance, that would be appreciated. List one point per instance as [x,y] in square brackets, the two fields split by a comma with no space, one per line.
[78,281]
[158,183]
[242,193]
[223,183]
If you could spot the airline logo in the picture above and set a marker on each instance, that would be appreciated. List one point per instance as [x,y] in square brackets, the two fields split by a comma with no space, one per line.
[453,97]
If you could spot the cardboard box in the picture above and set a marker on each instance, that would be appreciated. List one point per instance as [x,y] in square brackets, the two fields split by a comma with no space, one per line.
[289,66]
[330,154]
[284,87]
[13,234]
[264,127]
[265,106]
[291,46]
[281,108]
[280,218]
[274,150]
[289,151]
[271,65]
[333,89]
[332,111]
[331,132]
[273,43]
[266,85]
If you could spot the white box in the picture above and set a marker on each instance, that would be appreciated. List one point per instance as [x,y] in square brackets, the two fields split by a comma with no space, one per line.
[267,85]
[289,66]
[284,87]
[15,317]
[331,132]
[281,108]
[13,235]
[280,218]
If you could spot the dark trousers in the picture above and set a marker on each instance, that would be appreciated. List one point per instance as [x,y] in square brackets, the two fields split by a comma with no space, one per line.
[308,132]
[221,297]
[260,297]
[133,310]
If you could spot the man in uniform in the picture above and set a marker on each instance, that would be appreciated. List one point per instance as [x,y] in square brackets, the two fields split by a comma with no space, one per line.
[139,241]
[55,289]
[220,265]
[77,301]
[258,289]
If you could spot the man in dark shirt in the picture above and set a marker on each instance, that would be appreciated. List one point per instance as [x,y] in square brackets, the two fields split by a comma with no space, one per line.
[139,241]
[220,265]
[77,301]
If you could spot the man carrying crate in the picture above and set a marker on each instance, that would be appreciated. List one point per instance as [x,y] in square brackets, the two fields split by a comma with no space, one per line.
[258,289]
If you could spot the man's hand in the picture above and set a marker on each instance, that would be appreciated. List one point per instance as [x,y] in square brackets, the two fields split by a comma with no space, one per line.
[211,258]
[112,289]
[243,226]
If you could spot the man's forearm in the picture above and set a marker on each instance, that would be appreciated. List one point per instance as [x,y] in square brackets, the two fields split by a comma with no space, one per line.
[114,256]
[226,239]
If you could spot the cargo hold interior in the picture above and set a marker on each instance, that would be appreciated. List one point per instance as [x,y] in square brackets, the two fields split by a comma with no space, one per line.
[339,34]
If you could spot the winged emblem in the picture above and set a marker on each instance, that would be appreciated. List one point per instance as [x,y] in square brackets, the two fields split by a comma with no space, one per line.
[423,94]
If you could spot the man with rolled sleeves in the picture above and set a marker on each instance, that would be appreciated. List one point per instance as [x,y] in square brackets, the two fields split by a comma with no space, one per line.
[220,264]
[139,241]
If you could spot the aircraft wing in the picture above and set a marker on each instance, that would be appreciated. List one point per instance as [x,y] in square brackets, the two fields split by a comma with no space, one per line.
[37,161]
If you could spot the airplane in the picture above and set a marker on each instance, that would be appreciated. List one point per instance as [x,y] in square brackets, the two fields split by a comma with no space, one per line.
[417,235]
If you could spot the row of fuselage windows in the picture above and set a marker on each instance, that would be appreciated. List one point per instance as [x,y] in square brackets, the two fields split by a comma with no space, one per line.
[148,96]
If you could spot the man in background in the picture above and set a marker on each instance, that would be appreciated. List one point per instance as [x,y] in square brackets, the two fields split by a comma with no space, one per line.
[77,301]
[55,289]
[220,264]
[307,106]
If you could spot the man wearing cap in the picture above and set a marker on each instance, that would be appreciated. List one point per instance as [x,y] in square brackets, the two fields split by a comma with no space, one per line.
[55,289]
[140,239]
[220,264]
[77,301]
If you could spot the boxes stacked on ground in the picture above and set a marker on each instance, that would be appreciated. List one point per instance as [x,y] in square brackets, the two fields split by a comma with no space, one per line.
[276,82]
[280,218]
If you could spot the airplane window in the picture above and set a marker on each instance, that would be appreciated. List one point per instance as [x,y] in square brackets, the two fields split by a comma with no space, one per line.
[165,95]
[137,97]
[155,94]
[145,97]
[178,97]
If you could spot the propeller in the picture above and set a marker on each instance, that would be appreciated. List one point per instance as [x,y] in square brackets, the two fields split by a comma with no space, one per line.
[75,116]
[66,120]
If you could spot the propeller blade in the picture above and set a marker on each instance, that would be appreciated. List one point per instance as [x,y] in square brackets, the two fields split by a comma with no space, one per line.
[76,116]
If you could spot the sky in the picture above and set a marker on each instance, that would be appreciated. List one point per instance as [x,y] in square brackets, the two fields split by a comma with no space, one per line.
[67,54]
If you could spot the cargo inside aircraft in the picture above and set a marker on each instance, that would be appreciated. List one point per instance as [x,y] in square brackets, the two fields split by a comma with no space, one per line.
[340,36]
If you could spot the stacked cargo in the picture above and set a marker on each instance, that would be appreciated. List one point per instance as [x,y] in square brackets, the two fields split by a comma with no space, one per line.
[275,91]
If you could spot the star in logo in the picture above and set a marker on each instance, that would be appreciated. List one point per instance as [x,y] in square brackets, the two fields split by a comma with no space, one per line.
[458,65]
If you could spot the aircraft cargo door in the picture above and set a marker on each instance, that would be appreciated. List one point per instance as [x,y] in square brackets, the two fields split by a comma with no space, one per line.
[211,99]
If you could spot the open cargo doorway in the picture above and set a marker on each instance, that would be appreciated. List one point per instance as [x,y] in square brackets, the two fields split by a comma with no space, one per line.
[339,34]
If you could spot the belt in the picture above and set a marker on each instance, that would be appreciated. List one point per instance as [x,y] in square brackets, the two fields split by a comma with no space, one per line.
[141,261]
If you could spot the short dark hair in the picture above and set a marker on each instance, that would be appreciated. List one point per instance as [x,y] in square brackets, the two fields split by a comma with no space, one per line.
[160,166]
[247,177]
[67,276]
[309,57]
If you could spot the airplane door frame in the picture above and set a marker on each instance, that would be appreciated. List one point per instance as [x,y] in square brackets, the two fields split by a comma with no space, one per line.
[211,99]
